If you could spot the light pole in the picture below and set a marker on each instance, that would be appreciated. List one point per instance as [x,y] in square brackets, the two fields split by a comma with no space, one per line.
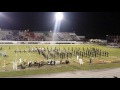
[107,38]
[117,39]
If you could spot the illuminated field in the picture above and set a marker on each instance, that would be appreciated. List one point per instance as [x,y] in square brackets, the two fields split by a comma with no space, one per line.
[112,59]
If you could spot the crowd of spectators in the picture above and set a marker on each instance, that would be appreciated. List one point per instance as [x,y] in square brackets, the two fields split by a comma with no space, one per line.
[14,35]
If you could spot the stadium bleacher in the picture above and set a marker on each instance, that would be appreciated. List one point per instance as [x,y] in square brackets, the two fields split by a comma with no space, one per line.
[16,35]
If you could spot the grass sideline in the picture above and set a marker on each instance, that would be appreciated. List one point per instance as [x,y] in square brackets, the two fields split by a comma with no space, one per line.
[57,69]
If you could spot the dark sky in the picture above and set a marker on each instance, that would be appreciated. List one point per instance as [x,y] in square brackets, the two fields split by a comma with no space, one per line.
[89,24]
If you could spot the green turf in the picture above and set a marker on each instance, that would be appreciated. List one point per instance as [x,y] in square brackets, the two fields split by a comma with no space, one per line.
[114,56]
[63,68]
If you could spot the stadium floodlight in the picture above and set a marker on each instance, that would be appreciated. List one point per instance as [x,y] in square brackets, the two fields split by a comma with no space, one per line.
[59,16]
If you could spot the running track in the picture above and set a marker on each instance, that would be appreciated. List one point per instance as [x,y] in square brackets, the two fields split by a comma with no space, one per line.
[106,73]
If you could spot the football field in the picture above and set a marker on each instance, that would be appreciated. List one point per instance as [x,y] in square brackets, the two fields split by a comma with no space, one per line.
[12,53]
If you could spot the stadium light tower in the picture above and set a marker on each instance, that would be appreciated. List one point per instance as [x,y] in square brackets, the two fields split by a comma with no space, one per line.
[59,16]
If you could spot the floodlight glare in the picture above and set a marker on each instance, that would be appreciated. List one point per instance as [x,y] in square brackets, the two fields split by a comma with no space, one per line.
[0,13]
[59,16]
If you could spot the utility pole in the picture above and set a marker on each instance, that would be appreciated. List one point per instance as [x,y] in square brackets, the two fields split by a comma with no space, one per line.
[107,38]
[117,39]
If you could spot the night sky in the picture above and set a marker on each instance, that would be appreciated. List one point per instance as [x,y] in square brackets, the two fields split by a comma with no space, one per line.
[89,24]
